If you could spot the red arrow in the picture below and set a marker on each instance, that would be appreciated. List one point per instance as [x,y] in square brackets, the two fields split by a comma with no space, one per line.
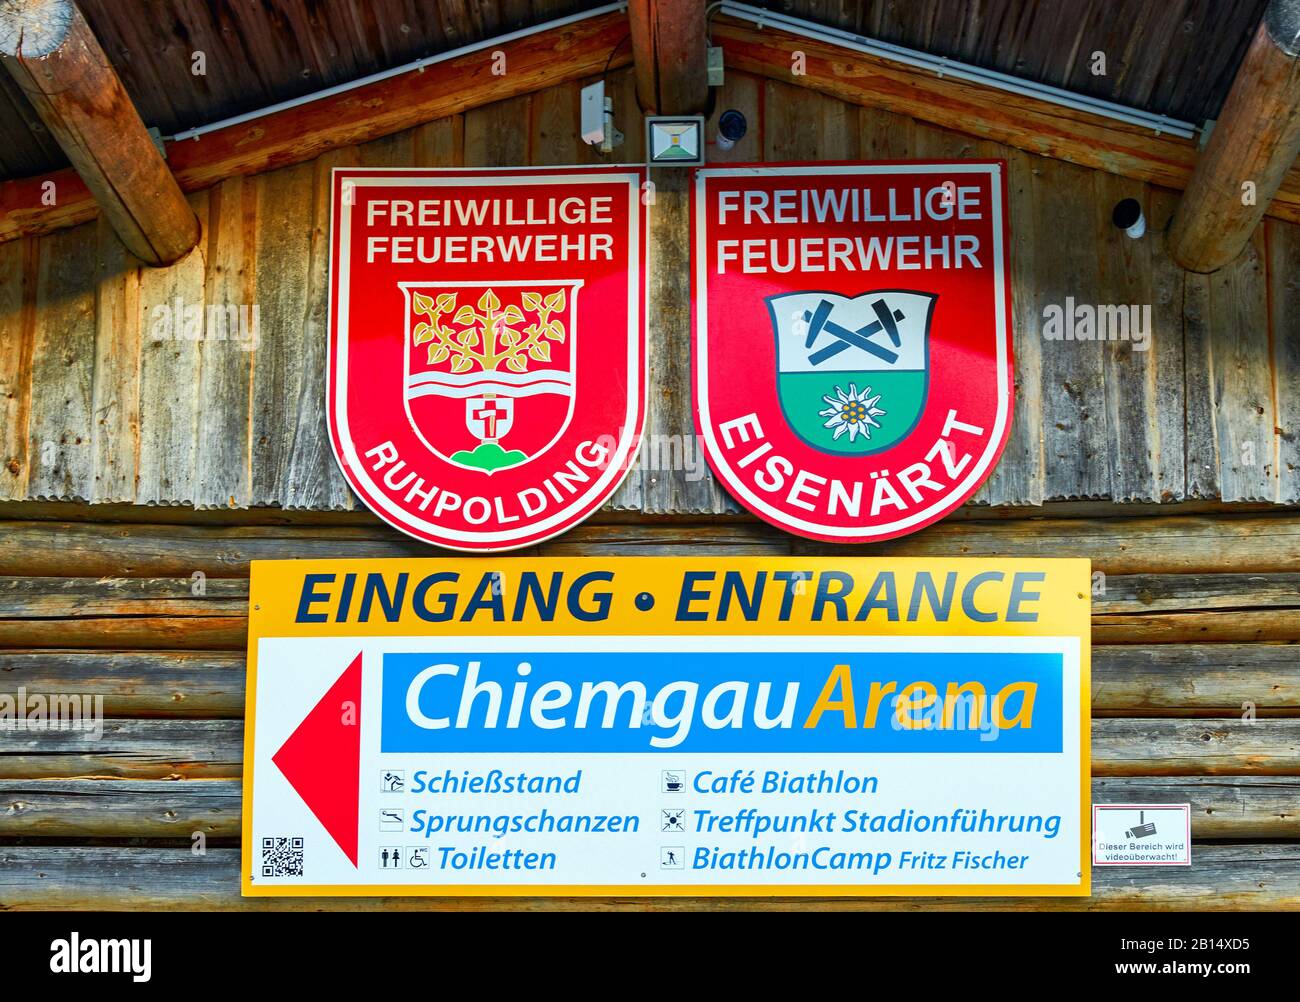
[322,759]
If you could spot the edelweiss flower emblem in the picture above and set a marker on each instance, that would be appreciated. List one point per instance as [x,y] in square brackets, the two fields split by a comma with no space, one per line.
[852,412]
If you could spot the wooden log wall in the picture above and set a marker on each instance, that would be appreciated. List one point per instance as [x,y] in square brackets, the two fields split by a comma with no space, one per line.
[1196,679]
[1195,697]
[103,401]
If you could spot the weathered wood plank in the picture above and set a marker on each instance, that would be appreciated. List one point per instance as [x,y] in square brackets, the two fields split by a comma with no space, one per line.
[1221,878]
[124,550]
[192,684]
[1166,364]
[1191,545]
[1200,442]
[1196,679]
[59,440]
[1284,315]
[496,135]
[1129,374]
[886,135]
[128,749]
[674,474]
[1236,807]
[312,478]
[41,598]
[115,434]
[148,808]
[440,143]
[802,125]
[1239,627]
[1240,377]
[172,305]
[1126,593]
[166,632]
[213,749]
[621,86]
[222,460]
[1243,807]
[1254,543]
[553,137]
[17,337]
[1018,477]
[1072,393]
[1207,747]
[282,259]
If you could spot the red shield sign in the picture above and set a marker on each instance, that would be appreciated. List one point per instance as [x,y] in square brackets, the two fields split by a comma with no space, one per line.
[852,343]
[487,346]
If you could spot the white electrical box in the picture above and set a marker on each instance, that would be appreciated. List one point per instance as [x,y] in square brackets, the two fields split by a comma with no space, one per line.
[716,71]
[593,113]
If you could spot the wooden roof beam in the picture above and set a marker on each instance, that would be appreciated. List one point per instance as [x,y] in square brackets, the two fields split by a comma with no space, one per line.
[49,49]
[558,55]
[668,49]
[1254,144]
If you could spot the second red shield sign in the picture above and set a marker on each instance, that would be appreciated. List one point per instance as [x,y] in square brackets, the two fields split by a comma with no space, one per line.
[852,344]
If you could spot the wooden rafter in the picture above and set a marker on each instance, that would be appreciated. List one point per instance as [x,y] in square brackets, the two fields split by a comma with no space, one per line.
[668,46]
[1255,142]
[53,55]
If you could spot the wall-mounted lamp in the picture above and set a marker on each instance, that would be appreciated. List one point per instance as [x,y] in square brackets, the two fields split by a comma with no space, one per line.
[674,141]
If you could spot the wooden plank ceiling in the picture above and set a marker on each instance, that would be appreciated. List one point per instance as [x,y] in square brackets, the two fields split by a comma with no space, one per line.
[257,52]
[1174,57]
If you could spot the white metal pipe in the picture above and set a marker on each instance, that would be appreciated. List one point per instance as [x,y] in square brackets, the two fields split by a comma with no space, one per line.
[945,67]
[413,67]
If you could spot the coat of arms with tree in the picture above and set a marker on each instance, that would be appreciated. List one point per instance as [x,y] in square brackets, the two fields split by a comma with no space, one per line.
[488,335]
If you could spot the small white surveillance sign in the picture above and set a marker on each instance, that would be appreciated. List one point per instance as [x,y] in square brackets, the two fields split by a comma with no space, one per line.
[1142,835]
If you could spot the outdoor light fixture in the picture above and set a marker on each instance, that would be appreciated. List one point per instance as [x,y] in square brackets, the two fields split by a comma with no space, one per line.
[731,128]
[1127,215]
[675,142]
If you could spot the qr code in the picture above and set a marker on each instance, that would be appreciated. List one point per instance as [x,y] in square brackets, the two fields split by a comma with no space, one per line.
[282,857]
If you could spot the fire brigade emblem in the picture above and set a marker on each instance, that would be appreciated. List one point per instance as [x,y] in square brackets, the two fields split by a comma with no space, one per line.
[487,364]
[851,345]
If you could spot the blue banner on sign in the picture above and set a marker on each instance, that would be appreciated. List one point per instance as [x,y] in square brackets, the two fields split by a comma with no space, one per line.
[707,701]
